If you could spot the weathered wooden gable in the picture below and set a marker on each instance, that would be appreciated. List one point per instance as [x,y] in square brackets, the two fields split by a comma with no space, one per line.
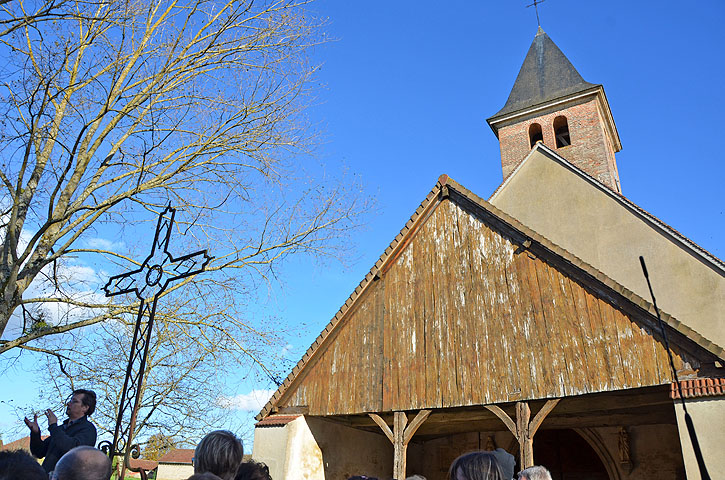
[466,314]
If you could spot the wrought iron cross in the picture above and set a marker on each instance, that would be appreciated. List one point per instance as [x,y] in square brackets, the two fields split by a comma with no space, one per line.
[148,282]
[536,7]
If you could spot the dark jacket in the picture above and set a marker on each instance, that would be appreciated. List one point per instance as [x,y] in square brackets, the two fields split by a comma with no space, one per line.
[62,438]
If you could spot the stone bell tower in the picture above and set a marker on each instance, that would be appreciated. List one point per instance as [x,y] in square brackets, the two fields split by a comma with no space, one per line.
[551,103]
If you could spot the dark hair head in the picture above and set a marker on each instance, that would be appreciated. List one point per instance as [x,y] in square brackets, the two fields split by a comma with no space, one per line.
[252,470]
[220,453]
[203,476]
[89,399]
[535,473]
[83,463]
[476,466]
[19,464]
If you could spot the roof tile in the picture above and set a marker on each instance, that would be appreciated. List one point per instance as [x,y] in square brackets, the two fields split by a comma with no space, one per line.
[701,387]
[276,421]
[178,455]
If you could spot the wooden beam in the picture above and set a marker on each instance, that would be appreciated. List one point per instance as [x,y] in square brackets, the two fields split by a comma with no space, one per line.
[296,410]
[383,426]
[414,425]
[399,447]
[496,410]
[524,428]
[539,418]
[526,441]
[400,436]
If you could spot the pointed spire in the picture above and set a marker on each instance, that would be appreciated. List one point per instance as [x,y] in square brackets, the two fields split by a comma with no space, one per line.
[545,75]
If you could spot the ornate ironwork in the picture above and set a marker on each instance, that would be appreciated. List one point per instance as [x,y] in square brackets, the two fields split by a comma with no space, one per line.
[148,282]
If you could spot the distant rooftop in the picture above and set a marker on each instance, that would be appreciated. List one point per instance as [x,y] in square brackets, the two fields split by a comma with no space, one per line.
[178,455]
[20,444]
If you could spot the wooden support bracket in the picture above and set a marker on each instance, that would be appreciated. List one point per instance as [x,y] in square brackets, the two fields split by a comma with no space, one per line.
[523,429]
[400,436]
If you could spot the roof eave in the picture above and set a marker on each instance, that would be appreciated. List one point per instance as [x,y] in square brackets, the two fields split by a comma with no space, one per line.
[495,121]
[440,192]
[609,120]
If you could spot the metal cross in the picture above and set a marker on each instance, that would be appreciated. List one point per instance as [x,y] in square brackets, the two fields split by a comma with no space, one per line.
[536,7]
[148,282]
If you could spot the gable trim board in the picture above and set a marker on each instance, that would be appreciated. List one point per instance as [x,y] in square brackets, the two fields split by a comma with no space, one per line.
[678,238]
[527,239]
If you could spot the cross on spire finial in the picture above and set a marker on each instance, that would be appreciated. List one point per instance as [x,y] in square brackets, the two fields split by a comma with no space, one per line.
[536,7]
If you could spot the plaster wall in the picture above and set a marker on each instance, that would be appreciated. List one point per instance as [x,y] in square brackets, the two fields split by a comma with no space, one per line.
[270,447]
[310,448]
[654,451]
[347,451]
[290,451]
[708,416]
[174,472]
[573,213]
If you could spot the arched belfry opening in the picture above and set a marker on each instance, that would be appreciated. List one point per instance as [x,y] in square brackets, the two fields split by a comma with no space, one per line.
[561,132]
[551,97]
[535,134]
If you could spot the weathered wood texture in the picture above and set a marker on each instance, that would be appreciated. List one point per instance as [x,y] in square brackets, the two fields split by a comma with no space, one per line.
[464,316]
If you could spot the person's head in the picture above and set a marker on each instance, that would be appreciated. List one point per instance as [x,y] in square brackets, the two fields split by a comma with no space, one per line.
[220,453]
[535,473]
[203,476]
[252,470]
[19,464]
[83,463]
[476,466]
[506,462]
[82,402]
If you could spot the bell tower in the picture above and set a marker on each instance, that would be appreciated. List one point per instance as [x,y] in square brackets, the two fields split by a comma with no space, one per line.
[551,103]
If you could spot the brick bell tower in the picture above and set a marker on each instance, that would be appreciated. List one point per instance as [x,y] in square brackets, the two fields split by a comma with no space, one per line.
[551,103]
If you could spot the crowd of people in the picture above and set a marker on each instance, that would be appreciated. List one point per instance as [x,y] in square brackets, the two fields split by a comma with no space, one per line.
[68,451]
[219,457]
[68,454]
[495,465]
[484,465]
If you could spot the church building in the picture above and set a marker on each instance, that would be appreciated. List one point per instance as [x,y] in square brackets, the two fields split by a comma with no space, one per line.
[521,322]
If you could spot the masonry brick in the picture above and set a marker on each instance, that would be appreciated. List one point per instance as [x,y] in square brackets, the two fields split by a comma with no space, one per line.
[591,148]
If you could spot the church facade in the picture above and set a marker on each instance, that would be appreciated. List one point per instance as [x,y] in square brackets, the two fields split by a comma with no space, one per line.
[519,322]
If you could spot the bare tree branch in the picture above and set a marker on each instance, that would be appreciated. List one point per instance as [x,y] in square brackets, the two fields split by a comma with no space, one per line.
[109,111]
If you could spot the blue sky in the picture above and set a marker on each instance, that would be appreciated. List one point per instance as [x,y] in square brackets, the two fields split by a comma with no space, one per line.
[405,88]
[408,86]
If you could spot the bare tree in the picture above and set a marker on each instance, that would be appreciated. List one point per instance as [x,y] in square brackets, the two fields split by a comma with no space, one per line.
[112,109]
[157,446]
[190,360]
[29,13]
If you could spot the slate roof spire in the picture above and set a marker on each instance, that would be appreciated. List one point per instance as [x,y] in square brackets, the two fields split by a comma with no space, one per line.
[551,103]
[546,74]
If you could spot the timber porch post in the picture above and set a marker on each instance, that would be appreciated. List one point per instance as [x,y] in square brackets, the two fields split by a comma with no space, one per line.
[400,436]
[522,429]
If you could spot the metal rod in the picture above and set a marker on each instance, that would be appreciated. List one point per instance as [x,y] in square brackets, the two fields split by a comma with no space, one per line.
[688,420]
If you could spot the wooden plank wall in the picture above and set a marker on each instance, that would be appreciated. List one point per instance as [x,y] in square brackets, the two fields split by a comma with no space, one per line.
[464,318]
